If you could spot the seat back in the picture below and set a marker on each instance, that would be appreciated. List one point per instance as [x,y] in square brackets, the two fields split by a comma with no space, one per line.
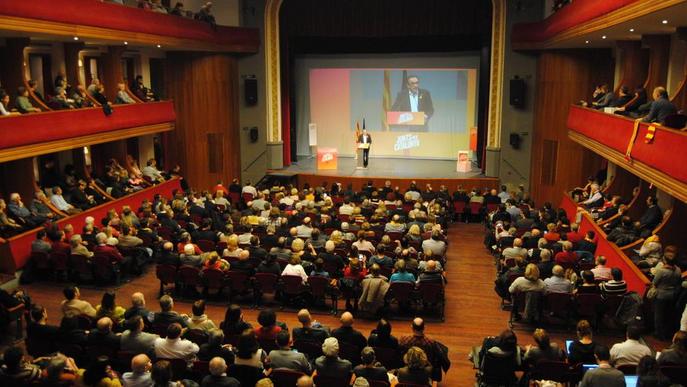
[59,261]
[167,274]
[349,352]
[292,284]
[475,208]
[318,286]
[266,282]
[41,261]
[677,374]
[238,280]
[627,369]
[390,358]
[268,345]
[311,349]
[342,381]
[247,375]
[285,377]
[431,292]
[558,303]
[165,233]
[498,370]
[206,246]
[558,371]
[103,268]
[197,336]
[178,367]
[213,278]
[189,275]
[401,291]
[587,304]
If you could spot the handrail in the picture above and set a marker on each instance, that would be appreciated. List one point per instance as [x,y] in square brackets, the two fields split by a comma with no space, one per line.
[253,162]
[666,218]
[513,168]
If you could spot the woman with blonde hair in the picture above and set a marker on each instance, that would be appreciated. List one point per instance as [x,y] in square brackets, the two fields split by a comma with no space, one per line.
[414,234]
[233,250]
[337,237]
[529,283]
[417,370]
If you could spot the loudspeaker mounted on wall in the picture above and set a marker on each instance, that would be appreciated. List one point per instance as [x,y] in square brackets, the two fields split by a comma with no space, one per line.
[254,134]
[250,87]
[518,89]
[514,140]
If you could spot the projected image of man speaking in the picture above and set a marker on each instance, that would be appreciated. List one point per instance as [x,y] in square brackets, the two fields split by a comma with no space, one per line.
[414,99]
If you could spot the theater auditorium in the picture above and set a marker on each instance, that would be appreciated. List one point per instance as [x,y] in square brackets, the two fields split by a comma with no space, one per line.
[300,193]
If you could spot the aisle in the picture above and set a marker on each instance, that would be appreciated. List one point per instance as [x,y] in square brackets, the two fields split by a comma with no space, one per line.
[472,310]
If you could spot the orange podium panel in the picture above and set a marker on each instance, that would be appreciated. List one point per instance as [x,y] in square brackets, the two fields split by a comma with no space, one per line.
[405,118]
[327,158]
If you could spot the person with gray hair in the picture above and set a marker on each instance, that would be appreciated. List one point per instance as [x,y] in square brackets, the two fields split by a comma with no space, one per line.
[168,316]
[78,247]
[218,375]
[329,364]
[557,283]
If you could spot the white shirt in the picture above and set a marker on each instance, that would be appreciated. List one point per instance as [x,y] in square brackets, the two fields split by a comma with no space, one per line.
[346,209]
[414,101]
[595,197]
[628,352]
[3,111]
[295,270]
[249,189]
[364,246]
[60,203]
[175,349]
[151,172]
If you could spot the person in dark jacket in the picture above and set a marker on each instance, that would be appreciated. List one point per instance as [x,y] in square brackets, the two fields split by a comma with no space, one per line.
[661,107]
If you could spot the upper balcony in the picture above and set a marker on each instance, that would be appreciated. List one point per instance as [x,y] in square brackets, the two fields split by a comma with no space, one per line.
[40,133]
[110,22]
[650,151]
[582,23]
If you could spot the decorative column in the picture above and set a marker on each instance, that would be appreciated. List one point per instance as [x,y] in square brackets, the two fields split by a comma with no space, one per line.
[275,145]
[498,36]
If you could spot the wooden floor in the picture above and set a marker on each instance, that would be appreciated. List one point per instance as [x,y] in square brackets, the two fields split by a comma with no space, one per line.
[472,310]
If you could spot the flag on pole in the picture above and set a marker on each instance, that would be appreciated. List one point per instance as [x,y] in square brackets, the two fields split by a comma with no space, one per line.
[363,123]
[386,99]
[404,81]
[357,130]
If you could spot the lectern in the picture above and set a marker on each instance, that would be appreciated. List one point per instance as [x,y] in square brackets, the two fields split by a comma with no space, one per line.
[361,148]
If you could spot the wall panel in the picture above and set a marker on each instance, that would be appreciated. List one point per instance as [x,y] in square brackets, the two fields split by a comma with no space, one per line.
[204,88]
[563,77]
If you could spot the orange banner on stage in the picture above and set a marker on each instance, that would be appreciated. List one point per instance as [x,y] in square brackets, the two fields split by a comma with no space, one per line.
[327,158]
[473,139]
[405,118]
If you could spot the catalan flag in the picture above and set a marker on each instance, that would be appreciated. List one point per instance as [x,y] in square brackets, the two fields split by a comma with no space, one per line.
[386,99]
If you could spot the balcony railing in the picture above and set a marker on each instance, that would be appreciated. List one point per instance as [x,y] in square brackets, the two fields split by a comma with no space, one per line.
[39,133]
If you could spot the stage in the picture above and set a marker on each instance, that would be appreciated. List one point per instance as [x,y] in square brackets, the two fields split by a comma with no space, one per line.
[399,171]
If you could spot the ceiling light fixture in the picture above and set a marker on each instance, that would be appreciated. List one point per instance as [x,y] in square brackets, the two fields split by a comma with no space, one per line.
[76,38]
[159,46]
[665,22]
[586,41]
[603,37]
[126,43]
[632,30]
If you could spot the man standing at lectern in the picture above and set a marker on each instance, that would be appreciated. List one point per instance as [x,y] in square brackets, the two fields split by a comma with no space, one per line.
[365,138]
[414,99]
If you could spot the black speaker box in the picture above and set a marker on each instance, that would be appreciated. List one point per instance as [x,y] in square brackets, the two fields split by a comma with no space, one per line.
[518,90]
[250,86]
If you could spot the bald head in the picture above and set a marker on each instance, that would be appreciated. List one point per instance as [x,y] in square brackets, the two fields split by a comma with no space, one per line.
[104,324]
[329,246]
[431,265]
[305,381]
[139,363]
[217,366]
[418,324]
[347,319]
[244,254]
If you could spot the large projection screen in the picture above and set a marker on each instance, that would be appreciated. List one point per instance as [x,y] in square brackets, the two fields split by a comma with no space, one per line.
[413,106]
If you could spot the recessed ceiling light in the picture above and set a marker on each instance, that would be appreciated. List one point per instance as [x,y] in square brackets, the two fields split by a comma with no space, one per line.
[665,22]
[159,46]
[126,43]
[632,30]
[586,41]
[76,38]
[603,37]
